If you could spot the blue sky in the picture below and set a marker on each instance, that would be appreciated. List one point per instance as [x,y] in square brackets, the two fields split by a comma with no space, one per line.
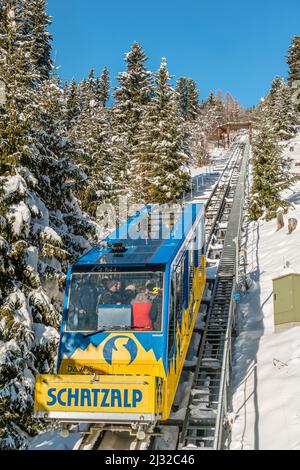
[233,45]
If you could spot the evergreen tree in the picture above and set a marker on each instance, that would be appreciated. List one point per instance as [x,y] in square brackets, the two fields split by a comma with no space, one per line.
[91,129]
[73,107]
[132,98]
[276,122]
[270,176]
[182,96]
[187,97]
[17,366]
[193,97]
[93,135]
[281,112]
[103,87]
[35,23]
[213,112]
[87,91]
[285,117]
[161,173]
[35,240]
[197,140]
[55,168]
[293,60]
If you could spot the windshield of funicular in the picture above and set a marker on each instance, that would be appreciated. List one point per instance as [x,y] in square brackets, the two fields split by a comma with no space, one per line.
[117,301]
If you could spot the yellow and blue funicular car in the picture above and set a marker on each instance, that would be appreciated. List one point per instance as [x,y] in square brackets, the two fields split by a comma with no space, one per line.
[129,312]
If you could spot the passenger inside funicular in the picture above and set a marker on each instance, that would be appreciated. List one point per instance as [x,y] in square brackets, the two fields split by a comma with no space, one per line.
[116,301]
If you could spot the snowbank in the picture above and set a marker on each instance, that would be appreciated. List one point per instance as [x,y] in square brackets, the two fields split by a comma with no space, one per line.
[266,373]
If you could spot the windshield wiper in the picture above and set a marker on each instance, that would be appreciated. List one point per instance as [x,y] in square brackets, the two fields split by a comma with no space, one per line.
[94,333]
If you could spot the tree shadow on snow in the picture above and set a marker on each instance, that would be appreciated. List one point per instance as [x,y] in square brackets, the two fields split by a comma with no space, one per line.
[294,198]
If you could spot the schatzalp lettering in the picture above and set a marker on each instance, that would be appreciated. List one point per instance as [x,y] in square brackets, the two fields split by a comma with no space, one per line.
[94,398]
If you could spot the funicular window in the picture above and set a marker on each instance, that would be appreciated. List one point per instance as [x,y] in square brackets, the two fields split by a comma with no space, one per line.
[171,332]
[177,300]
[179,294]
[200,244]
[115,301]
[192,249]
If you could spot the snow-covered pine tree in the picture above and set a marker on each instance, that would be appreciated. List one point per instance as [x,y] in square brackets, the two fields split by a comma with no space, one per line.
[87,90]
[131,99]
[35,23]
[92,131]
[73,105]
[56,170]
[35,241]
[193,100]
[161,173]
[213,112]
[18,257]
[103,87]
[182,95]
[281,112]
[293,60]
[187,97]
[270,175]
[197,139]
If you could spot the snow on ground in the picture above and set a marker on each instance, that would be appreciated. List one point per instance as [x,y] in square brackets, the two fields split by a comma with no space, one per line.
[206,178]
[53,441]
[266,372]
[215,155]
[168,438]
[201,170]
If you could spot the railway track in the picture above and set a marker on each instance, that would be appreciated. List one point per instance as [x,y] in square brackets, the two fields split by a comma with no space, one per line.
[97,438]
[204,425]
[203,422]
[221,195]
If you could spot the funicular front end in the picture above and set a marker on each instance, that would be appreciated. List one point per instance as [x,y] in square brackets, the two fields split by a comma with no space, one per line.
[110,365]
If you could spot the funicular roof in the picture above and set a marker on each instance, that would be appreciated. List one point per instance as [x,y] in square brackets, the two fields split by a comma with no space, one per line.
[147,238]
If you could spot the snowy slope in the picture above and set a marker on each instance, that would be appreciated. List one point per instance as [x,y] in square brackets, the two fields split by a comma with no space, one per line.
[266,372]
[215,154]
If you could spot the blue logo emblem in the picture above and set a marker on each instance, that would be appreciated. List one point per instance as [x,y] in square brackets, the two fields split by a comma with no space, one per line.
[111,346]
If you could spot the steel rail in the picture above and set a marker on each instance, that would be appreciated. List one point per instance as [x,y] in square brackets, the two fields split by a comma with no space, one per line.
[203,424]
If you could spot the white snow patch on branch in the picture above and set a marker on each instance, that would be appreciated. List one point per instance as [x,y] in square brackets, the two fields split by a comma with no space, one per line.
[14,184]
[17,301]
[6,349]
[47,233]
[44,334]
[19,217]
[32,257]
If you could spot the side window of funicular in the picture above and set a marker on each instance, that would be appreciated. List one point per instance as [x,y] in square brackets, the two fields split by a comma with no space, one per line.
[172,317]
[200,244]
[120,301]
[192,249]
[179,284]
